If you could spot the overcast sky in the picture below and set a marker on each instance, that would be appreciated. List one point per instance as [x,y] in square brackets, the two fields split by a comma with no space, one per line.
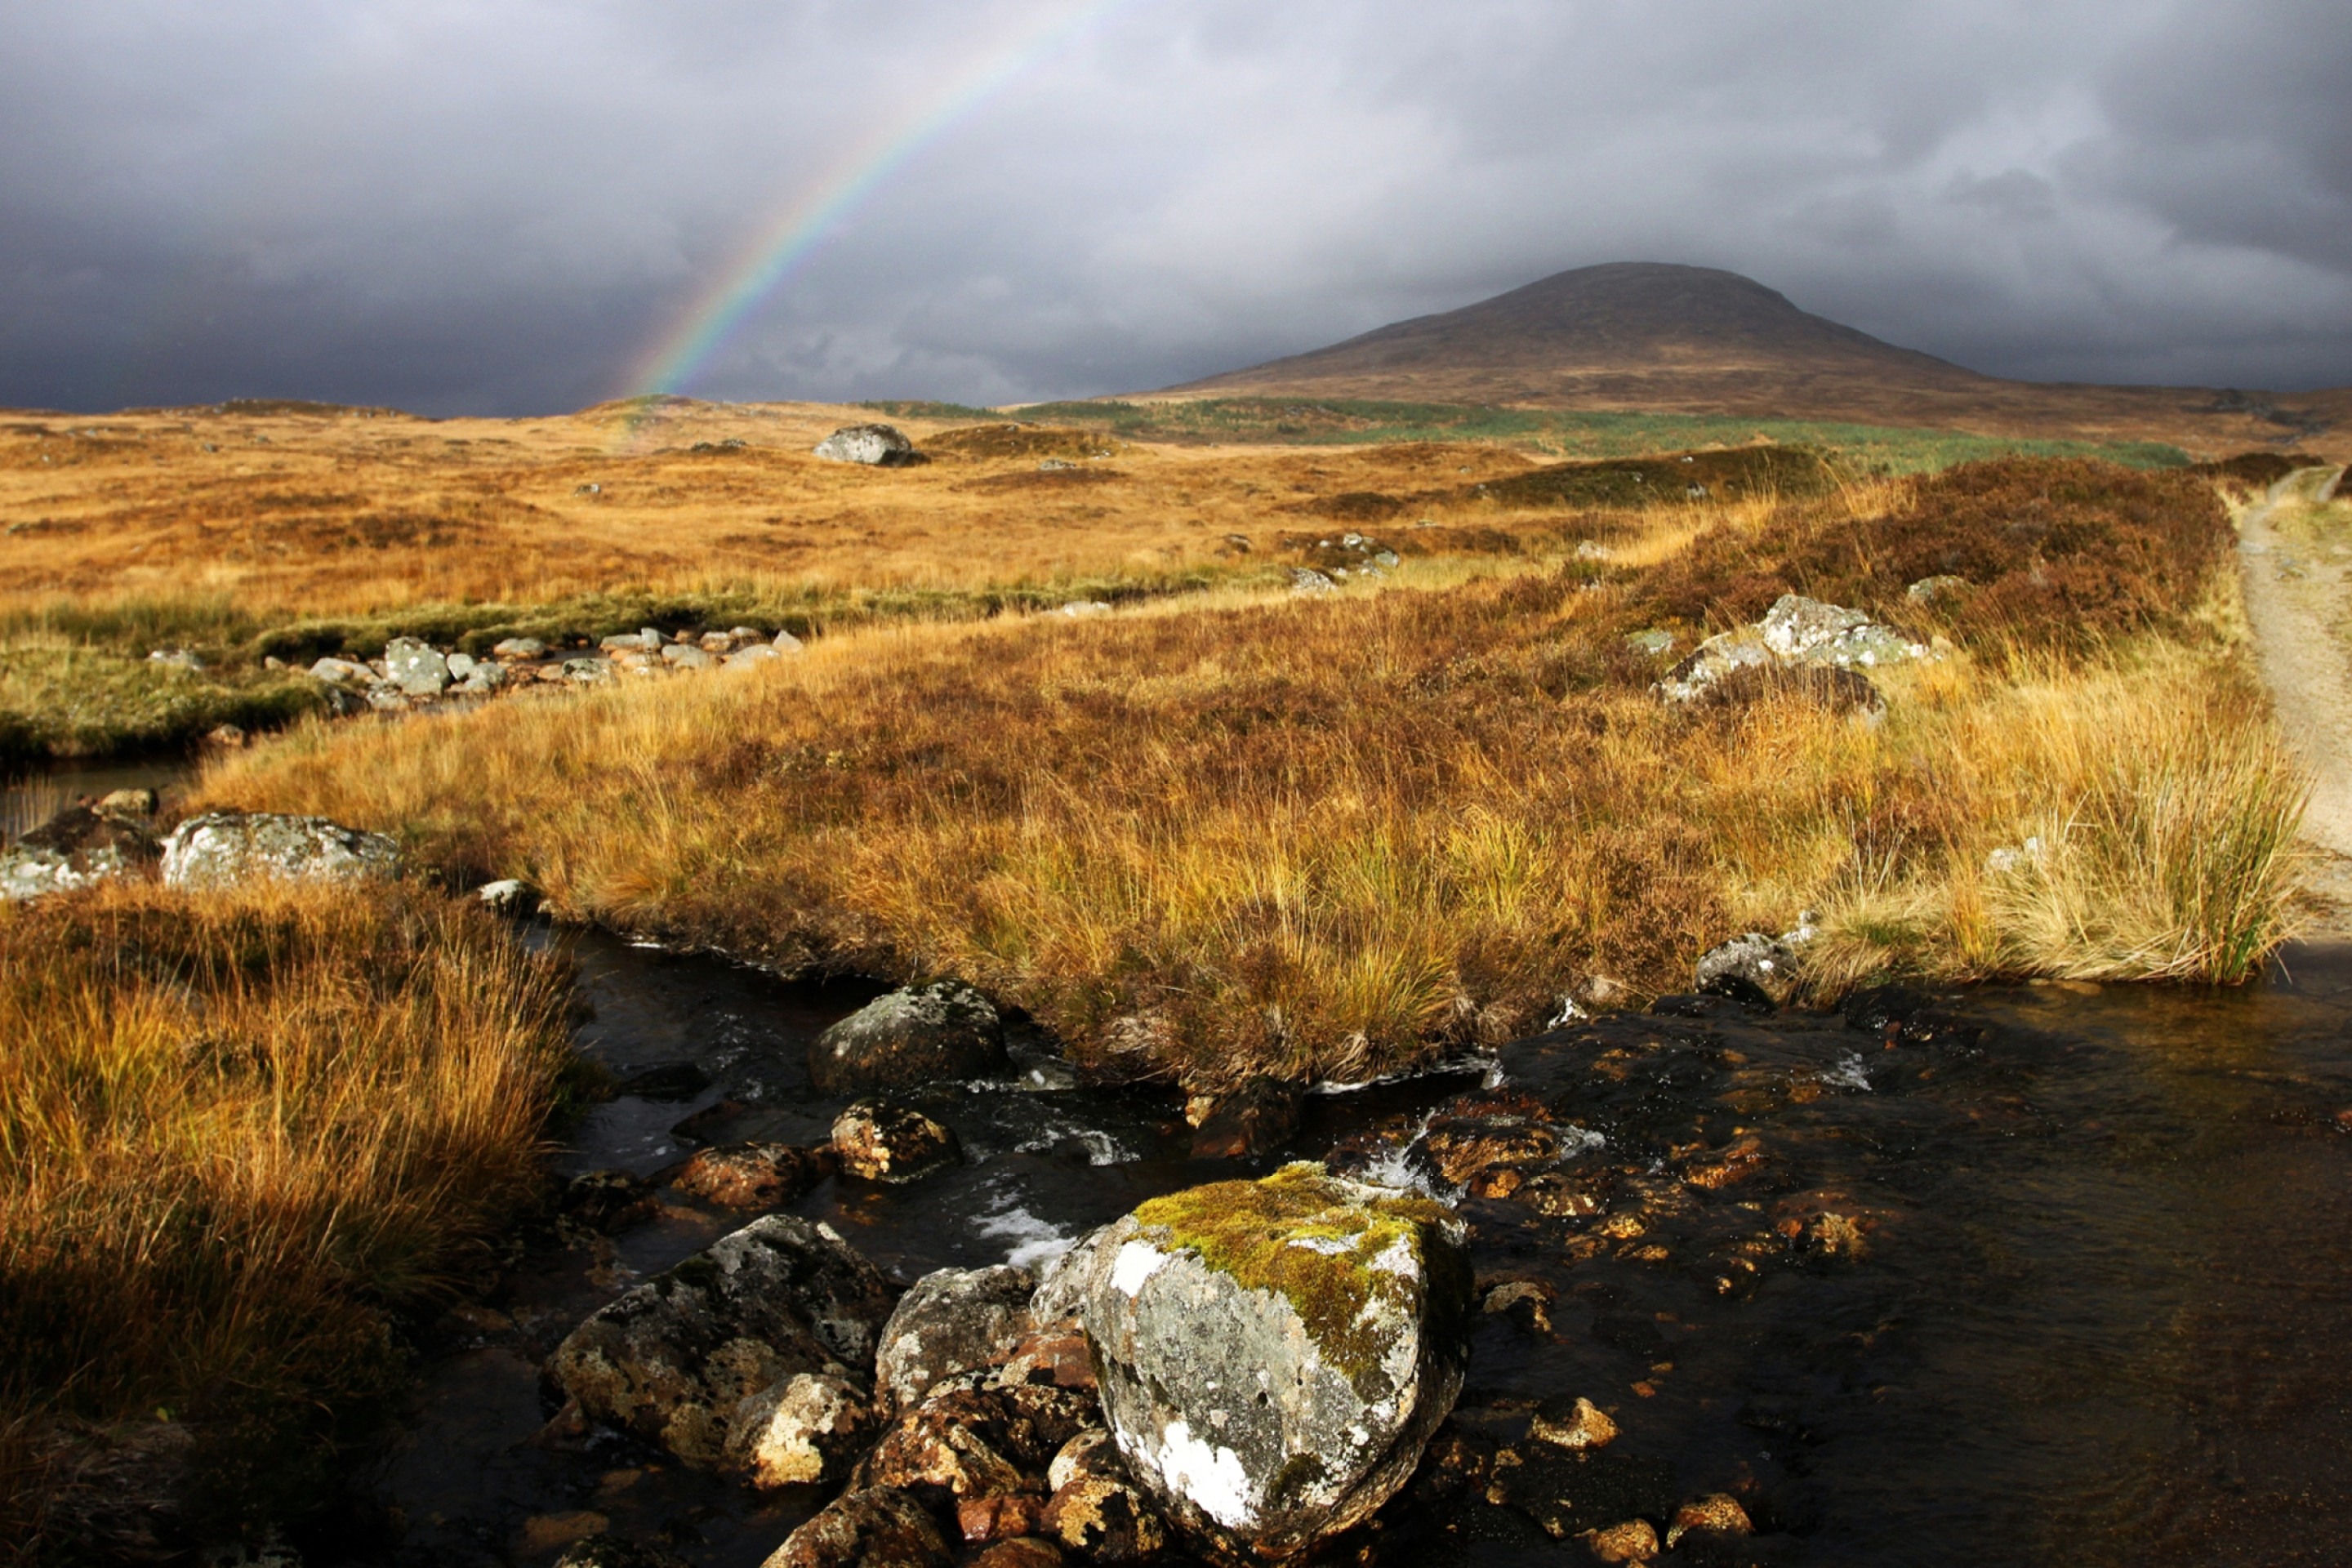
[510,205]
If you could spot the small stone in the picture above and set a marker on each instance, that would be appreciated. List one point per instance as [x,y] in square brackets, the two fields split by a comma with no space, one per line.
[1795,625]
[226,737]
[685,655]
[127,803]
[519,648]
[876,1528]
[1081,607]
[954,1321]
[341,671]
[1718,1512]
[1003,1518]
[880,1142]
[808,1430]
[604,1200]
[972,1440]
[750,658]
[1255,1118]
[1307,582]
[587,671]
[715,642]
[546,1531]
[177,658]
[1028,1551]
[1090,1453]
[612,1552]
[786,643]
[508,895]
[1579,1425]
[1933,591]
[754,1176]
[1105,1520]
[1754,968]
[1636,1541]
[461,664]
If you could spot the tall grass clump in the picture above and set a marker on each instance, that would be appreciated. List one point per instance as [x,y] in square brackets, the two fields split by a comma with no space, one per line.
[239,1133]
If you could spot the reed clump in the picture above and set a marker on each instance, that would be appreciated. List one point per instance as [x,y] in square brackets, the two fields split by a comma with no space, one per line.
[1321,838]
[240,1134]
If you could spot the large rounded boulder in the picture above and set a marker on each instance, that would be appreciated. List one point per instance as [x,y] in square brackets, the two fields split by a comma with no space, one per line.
[915,1036]
[222,848]
[671,1361]
[1274,1355]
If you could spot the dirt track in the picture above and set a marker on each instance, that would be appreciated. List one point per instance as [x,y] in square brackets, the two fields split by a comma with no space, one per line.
[2293,596]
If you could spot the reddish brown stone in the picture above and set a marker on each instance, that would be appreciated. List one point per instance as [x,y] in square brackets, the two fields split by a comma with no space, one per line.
[754,1176]
[876,1528]
[1057,1356]
[1001,1518]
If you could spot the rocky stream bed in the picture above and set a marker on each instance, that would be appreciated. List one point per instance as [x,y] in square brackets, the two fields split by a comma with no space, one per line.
[2053,1273]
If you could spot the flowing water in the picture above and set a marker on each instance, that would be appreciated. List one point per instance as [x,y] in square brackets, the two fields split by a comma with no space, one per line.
[2092,1302]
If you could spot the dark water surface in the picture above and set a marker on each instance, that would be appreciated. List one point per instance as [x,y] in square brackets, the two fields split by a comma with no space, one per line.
[2102,1313]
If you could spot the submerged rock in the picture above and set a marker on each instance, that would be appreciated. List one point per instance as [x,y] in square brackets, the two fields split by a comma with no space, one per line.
[954,1321]
[78,848]
[671,1361]
[917,1035]
[612,1552]
[880,1142]
[754,1176]
[1255,1118]
[222,849]
[1273,1354]
[879,446]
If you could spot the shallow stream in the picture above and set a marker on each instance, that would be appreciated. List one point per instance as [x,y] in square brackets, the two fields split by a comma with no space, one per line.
[2082,1294]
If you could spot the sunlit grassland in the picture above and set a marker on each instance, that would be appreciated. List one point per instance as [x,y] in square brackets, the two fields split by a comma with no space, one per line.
[1325,836]
[238,1134]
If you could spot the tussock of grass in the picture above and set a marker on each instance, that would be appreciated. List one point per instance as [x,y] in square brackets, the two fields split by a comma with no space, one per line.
[237,1132]
[1325,838]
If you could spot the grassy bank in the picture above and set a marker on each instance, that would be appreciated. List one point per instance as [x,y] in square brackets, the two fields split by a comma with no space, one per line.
[1330,836]
[239,1134]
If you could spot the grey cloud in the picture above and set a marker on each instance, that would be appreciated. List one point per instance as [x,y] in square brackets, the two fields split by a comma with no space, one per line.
[505,205]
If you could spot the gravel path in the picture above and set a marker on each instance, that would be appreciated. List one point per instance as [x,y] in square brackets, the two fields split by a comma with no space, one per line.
[2292,597]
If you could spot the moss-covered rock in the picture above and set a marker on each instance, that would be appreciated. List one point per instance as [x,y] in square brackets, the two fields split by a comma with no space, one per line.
[1273,1354]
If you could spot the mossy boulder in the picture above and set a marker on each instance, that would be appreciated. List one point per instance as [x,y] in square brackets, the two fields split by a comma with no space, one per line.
[915,1036]
[1273,1355]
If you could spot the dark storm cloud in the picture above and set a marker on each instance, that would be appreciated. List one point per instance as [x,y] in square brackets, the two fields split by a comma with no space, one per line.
[506,206]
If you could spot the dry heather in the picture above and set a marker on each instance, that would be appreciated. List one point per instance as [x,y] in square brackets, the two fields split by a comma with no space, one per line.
[1321,838]
[235,1133]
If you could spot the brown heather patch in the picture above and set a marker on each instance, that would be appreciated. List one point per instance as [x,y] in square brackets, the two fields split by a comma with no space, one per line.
[238,1133]
[1323,838]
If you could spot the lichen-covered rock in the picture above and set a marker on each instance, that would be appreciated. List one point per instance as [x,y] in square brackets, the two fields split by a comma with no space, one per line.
[78,848]
[1720,1512]
[1754,968]
[882,1141]
[1028,1551]
[876,1527]
[954,1321]
[1489,1145]
[808,1430]
[671,1361]
[1093,1452]
[612,1552]
[417,668]
[222,848]
[917,1035]
[1056,1354]
[1934,590]
[754,1176]
[1105,1520]
[1796,624]
[972,1439]
[1273,1354]
[880,446]
[1577,1427]
[1714,659]
[1062,1283]
[1306,580]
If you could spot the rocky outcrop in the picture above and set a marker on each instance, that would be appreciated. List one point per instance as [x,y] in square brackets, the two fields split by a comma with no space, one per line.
[78,848]
[671,1361]
[1796,631]
[222,848]
[878,1141]
[879,446]
[1273,1354]
[915,1036]
[952,1322]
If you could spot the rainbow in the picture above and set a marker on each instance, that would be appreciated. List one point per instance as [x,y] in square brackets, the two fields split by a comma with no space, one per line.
[786,240]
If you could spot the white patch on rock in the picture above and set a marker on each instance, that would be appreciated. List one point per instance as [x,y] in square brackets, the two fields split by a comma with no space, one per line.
[1213,1478]
[1137,1262]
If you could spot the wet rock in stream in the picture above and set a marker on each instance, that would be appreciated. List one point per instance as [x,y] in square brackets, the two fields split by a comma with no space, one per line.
[882,1140]
[671,1361]
[912,1036]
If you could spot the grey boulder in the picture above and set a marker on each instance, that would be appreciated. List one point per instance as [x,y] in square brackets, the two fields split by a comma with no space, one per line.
[915,1036]
[1274,1355]
[1755,967]
[417,668]
[671,1361]
[954,1321]
[78,848]
[222,849]
[879,446]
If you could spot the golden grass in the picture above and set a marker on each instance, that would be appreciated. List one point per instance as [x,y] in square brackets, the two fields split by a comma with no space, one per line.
[325,513]
[1322,837]
[236,1131]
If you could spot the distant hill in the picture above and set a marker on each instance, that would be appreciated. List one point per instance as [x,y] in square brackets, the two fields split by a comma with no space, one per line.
[1696,339]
